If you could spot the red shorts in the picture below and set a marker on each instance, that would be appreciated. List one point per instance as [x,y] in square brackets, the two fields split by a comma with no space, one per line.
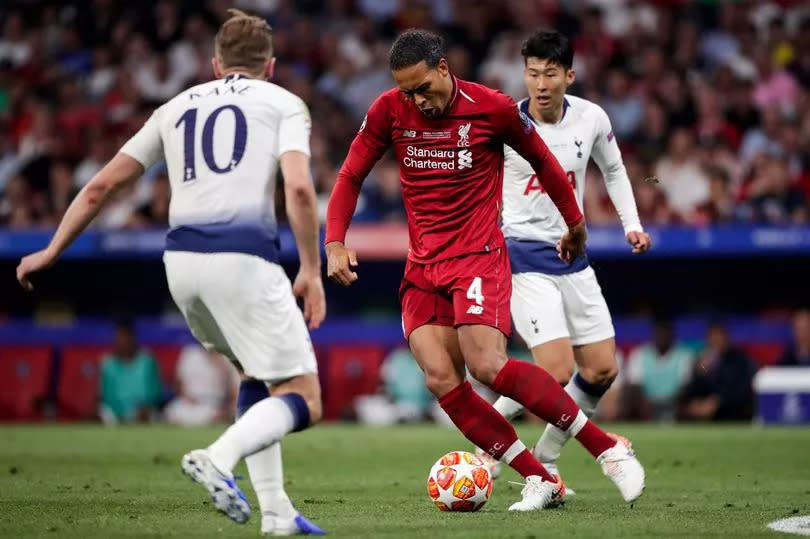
[470,289]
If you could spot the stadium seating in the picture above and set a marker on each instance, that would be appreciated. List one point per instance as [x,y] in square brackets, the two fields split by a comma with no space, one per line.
[350,371]
[77,391]
[764,354]
[25,373]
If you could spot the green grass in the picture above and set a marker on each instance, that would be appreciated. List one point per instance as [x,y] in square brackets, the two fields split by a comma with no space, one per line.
[86,481]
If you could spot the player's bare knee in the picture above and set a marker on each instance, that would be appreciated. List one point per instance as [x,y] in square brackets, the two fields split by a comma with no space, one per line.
[485,366]
[561,371]
[315,410]
[303,395]
[602,375]
[440,384]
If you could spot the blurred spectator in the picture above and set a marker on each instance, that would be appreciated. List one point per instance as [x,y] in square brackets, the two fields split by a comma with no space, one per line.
[131,388]
[155,212]
[207,385]
[720,389]
[625,109]
[798,353]
[772,197]
[655,375]
[15,47]
[384,196]
[404,396]
[776,86]
[721,207]
[651,138]
[724,83]
[61,191]
[680,174]
[763,139]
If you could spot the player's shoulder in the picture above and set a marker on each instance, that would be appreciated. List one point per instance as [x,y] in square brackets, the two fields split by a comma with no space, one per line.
[276,94]
[388,101]
[585,108]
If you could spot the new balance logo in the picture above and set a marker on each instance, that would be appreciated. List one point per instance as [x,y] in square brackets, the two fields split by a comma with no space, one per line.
[410,133]
[475,309]
[464,159]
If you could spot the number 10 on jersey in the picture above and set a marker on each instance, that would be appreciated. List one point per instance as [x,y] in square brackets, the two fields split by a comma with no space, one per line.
[189,122]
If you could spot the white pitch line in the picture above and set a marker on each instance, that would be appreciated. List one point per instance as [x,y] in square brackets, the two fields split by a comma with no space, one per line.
[794,525]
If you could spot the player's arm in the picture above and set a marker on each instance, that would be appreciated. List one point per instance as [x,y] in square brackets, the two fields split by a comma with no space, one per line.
[141,151]
[299,193]
[367,148]
[120,171]
[608,158]
[519,133]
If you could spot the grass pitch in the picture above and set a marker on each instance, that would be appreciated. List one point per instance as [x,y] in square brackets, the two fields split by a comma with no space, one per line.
[87,481]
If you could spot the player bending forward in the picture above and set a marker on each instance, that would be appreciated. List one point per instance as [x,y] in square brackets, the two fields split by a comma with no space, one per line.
[448,135]
[557,305]
[222,142]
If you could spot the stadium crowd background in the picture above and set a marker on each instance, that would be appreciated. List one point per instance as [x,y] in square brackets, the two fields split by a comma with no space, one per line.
[711,98]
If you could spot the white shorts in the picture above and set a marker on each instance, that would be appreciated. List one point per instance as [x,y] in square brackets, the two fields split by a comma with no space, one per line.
[242,306]
[547,307]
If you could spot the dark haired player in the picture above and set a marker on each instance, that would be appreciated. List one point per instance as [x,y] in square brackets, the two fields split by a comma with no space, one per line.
[557,307]
[448,135]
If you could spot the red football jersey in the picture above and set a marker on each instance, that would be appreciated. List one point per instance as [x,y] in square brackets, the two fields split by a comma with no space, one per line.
[451,169]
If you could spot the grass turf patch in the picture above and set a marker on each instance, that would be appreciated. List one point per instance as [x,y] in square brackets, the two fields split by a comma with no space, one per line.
[87,481]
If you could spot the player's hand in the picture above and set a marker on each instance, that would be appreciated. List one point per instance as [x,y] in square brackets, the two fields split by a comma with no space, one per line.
[640,241]
[572,243]
[31,264]
[338,260]
[309,286]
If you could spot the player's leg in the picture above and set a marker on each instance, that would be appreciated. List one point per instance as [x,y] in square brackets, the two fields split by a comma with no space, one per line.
[596,371]
[258,319]
[427,319]
[484,351]
[182,274]
[594,352]
[539,317]
[279,516]
[437,352]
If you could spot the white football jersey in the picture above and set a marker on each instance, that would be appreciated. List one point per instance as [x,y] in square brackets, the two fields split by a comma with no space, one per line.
[222,141]
[584,131]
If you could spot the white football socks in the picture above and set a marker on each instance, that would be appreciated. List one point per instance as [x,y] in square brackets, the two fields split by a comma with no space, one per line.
[267,477]
[264,424]
[550,444]
[507,407]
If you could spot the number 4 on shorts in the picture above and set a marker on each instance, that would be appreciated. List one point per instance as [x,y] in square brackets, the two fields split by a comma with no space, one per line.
[474,292]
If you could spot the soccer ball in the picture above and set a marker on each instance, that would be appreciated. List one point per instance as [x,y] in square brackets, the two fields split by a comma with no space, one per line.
[459,481]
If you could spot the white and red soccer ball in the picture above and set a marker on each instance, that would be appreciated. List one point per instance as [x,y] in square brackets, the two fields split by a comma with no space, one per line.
[459,481]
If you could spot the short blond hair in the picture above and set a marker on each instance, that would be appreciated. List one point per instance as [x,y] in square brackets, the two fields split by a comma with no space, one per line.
[244,41]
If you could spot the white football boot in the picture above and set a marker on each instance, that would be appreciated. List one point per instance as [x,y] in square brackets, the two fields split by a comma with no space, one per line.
[553,470]
[225,494]
[620,464]
[493,465]
[298,525]
[539,494]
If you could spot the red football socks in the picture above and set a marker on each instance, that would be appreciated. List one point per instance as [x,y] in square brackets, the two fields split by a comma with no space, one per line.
[536,390]
[489,430]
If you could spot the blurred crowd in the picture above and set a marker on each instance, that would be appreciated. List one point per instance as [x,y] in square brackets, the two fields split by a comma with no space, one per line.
[664,379]
[711,98]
